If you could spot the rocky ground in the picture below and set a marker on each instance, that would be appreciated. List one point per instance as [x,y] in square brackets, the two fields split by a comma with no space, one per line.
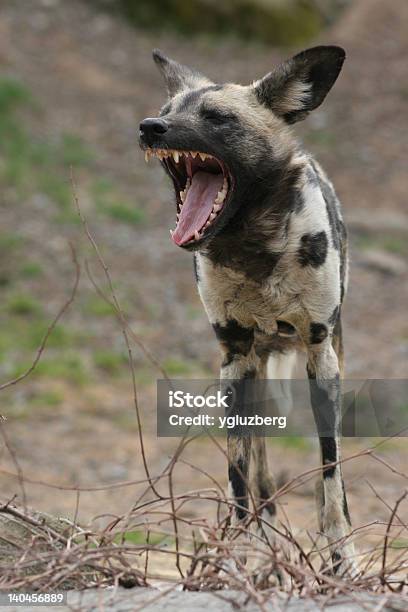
[88,79]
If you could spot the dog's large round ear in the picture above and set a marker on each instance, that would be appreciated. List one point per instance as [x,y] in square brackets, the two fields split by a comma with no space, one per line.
[177,76]
[300,84]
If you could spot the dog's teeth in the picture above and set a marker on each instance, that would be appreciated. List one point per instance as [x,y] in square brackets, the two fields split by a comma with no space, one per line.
[182,195]
[196,235]
[147,156]
[220,198]
[171,233]
[202,156]
[216,207]
[194,154]
[176,156]
[212,217]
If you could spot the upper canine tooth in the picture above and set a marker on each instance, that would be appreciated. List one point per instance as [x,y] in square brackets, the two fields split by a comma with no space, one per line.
[176,156]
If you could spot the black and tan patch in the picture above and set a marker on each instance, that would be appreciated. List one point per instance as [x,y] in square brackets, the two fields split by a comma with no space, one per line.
[235,339]
[313,249]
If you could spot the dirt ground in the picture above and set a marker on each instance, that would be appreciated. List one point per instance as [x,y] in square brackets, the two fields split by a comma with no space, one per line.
[92,75]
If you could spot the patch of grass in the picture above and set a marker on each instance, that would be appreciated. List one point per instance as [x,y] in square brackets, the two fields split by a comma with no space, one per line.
[120,211]
[113,205]
[145,376]
[23,335]
[276,23]
[67,366]
[9,242]
[12,94]
[97,307]
[22,304]
[31,270]
[49,397]
[399,543]
[9,252]
[295,442]
[139,537]
[74,152]
[60,366]
[110,362]
[388,242]
[177,367]
[57,189]
[29,164]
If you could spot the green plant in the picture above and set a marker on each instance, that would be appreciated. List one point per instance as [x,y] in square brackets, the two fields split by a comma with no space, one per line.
[12,95]
[31,270]
[113,205]
[177,367]
[110,362]
[295,442]
[22,304]
[66,366]
[125,213]
[49,397]
[139,537]
[74,152]
[29,164]
[97,307]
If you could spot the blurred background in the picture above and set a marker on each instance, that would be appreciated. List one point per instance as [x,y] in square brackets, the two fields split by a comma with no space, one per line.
[75,80]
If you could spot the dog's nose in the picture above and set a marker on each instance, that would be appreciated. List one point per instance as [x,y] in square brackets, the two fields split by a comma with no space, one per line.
[153,127]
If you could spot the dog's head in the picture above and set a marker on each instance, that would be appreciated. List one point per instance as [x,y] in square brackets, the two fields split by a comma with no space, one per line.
[220,143]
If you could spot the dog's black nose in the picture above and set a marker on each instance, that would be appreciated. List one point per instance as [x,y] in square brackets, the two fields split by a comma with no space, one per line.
[153,127]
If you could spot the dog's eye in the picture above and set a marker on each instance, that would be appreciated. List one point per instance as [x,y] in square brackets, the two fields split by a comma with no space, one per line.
[215,116]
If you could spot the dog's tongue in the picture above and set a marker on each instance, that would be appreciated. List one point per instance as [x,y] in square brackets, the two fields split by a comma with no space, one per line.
[198,205]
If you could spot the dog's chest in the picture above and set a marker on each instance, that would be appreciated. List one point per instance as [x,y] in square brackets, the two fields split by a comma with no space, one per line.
[228,294]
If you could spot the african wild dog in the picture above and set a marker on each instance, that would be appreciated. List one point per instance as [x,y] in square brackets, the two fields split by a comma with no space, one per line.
[270,248]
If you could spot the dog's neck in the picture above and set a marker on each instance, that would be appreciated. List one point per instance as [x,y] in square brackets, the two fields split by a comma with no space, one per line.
[254,239]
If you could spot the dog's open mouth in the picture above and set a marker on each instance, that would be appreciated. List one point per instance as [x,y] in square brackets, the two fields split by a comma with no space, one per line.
[202,183]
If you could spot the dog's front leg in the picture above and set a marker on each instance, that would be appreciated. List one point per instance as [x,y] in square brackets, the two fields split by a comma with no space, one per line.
[239,367]
[325,391]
